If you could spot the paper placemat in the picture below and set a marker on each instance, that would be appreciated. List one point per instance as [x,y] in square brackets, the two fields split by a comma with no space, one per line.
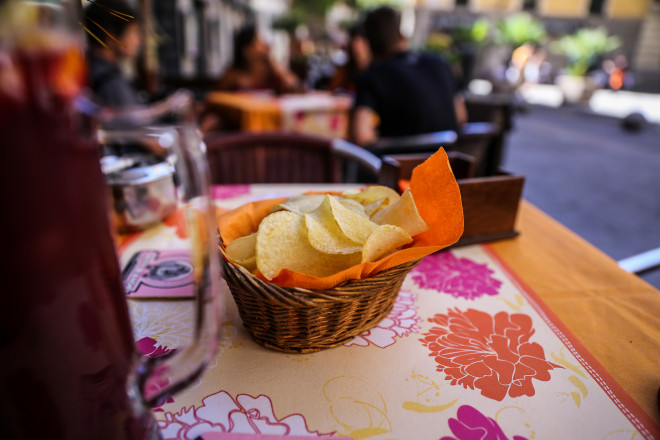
[465,348]
[468,350]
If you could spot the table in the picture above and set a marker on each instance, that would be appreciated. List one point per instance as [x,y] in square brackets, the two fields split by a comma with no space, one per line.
[314,112]
[583,338]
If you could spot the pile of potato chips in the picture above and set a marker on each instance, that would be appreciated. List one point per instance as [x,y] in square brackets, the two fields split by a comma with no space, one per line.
[321,235]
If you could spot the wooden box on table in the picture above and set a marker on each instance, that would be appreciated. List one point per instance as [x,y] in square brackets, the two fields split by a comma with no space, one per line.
[490,204]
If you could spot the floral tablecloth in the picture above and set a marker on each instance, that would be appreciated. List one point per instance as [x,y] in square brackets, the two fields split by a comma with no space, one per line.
[466,353]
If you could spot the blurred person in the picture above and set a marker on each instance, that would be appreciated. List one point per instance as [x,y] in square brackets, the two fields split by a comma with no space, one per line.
[254,69]
[114,37]
[409,93]
[619,75]
[359,58]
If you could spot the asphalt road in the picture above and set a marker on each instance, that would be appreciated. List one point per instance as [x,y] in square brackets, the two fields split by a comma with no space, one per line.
[591,175]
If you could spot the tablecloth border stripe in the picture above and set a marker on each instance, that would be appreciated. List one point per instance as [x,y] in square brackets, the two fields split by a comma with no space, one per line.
[620,397]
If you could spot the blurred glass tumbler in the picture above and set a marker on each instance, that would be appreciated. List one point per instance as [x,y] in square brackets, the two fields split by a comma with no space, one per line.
[69,368]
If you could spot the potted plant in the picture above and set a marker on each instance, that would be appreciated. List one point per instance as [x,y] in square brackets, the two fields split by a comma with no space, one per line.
[583,50]
[459,46]
[519,29]
[512,33]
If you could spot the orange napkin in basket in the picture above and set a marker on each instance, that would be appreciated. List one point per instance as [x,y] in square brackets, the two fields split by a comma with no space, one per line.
[438,200]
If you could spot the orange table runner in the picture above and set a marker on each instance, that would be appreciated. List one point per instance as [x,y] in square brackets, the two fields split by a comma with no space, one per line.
[313,113]
[482,339]
[615,314]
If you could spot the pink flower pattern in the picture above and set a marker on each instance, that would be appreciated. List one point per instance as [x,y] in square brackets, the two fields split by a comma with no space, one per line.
[470,424]
[459,277]
[401,321]
[222,192]
[221,413]
[147,347]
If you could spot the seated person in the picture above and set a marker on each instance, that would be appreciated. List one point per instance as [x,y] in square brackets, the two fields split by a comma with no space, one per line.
[409,93]
[359,57]
[111,41]
[253,68]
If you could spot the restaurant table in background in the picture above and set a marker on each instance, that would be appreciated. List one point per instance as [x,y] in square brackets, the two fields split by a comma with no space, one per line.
[541,336]
[318,113]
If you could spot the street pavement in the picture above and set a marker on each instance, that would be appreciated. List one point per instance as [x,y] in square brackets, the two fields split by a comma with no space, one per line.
[592,175]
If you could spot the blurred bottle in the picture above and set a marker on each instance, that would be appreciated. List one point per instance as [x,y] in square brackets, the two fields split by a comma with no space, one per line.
[65,337]
[69,368]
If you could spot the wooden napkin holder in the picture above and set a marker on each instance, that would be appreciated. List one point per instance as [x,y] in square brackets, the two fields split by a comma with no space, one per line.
[490,204]
[490,207]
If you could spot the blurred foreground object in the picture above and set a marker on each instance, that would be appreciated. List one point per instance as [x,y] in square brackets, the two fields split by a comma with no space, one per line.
[69,365]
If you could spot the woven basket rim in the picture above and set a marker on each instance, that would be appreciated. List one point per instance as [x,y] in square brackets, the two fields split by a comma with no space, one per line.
[348,288]
[301,297]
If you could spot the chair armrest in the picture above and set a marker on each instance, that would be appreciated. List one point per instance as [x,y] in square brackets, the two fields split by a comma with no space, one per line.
[364,158]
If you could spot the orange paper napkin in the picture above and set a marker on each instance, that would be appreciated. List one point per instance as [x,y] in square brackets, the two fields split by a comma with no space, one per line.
[438,200]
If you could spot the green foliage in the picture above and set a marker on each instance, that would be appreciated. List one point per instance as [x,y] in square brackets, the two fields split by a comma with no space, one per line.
[519,29]
[312,7]
[370,4]
[583,47]
[311,12]
[477,33]
[480,30]
[289,22]
[439,42]
[449,45]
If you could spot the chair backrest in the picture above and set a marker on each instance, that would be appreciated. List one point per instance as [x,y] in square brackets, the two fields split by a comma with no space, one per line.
[479,140]
[422,143]
[282,157]
[398,167]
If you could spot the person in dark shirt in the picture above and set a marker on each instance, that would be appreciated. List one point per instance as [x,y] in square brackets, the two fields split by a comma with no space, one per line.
[408,93]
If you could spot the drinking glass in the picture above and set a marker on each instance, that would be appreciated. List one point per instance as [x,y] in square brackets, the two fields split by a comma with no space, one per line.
[69,366]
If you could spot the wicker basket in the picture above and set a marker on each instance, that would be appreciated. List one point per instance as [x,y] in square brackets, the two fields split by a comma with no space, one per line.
[297,320]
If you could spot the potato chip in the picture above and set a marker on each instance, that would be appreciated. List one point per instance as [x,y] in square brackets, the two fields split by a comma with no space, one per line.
[402,213]
[373,193]
[242,248]
[282,244]
[243,251]
[354,226]
[383,241]
[324,235]
[371,208]
[353,206]
[300,204]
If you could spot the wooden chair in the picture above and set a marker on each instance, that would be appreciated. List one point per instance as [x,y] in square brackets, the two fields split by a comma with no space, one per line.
[477,139]
[281,157]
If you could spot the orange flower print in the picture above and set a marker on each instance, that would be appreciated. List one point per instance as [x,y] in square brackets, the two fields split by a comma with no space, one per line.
[493,354]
